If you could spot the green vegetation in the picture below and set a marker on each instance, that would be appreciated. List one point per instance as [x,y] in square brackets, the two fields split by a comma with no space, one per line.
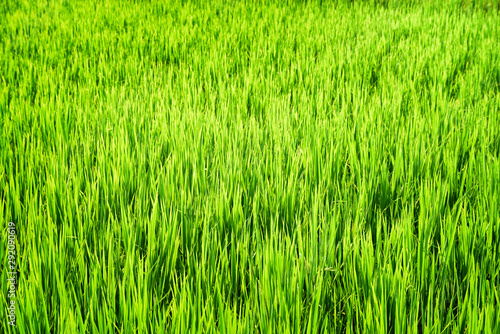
[251,167]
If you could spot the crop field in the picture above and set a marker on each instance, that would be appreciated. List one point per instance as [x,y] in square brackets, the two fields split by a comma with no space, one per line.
[249,166]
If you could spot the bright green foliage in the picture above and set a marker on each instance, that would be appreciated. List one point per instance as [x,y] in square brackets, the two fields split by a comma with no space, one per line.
[251,167]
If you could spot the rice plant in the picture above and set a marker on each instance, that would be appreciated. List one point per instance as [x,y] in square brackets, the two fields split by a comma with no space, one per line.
[250,166]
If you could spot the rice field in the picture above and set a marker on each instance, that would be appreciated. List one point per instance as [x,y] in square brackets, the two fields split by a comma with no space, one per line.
[249,166]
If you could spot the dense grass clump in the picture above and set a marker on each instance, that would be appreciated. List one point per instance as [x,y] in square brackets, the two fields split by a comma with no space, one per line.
[251,167]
